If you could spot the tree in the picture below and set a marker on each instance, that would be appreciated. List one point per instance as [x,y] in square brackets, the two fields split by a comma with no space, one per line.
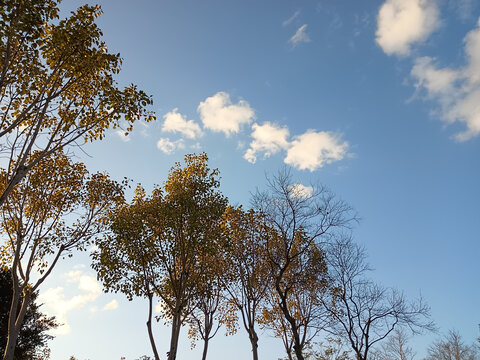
[33,337]
[247,276]
[451,347]
[299,217]
[396,347]
[332,349]
[55,209]
[212,309]
[156,244]
[57,85]
[364,312]
[307,282]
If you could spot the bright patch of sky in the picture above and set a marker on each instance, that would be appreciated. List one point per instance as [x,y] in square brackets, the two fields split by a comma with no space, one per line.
[377,100]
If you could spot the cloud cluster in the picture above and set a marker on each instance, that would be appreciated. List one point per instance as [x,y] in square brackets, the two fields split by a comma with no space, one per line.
[308,151]
[59,305]
[402,23]
[456,90]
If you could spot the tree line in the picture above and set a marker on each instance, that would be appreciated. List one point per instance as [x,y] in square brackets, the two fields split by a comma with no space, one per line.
[287,263]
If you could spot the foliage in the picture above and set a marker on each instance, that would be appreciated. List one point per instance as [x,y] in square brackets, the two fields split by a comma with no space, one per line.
[33,337]
[157,243]
[301,222]
[55,209]
[247,274]
[57,85]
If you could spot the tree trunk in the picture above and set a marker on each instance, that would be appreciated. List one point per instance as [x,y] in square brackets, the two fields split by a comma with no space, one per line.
[15,321]
[176,324]
[205,348]
[252,335]
[149,327]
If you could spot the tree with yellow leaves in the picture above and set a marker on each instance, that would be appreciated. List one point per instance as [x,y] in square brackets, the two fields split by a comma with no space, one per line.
[55,209]
[156,244]
[57,85]
[247,276]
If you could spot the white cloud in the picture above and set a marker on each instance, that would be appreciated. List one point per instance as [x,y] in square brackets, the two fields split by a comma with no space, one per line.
[176,122]
[456,90]
[433,79]
[123,135]
[312,150]
[57,303]
[300,36]
[168,146]
[291,18]
[402,23]
[301,191]
[219,114]
[267,138]
[112,305]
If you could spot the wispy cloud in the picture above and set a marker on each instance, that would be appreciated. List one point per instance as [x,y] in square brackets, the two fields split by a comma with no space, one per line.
[123,135]
[295,15]
[268,139]
[401,23]
[112,305]
[176,122]
[59,305]
[168,146]
[300,36]
[220,115]
[457,91]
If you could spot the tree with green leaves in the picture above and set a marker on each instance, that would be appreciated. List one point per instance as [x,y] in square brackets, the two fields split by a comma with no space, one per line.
[57,85]
[156,244]
[55,209]
[33,336]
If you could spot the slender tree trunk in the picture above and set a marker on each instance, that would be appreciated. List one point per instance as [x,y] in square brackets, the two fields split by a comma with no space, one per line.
[15,322]
[252,335]
[205,348]
[289,354]
[176,324]
[149,327]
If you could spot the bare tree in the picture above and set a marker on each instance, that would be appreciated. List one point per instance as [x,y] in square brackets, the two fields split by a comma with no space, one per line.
[364,312]
[451,347]
[299,216]
[395,347]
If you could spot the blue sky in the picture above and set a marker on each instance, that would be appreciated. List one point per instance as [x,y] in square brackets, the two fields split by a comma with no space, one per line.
[378,100]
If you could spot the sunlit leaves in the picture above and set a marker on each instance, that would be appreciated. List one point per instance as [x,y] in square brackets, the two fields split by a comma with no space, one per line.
[57,84]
